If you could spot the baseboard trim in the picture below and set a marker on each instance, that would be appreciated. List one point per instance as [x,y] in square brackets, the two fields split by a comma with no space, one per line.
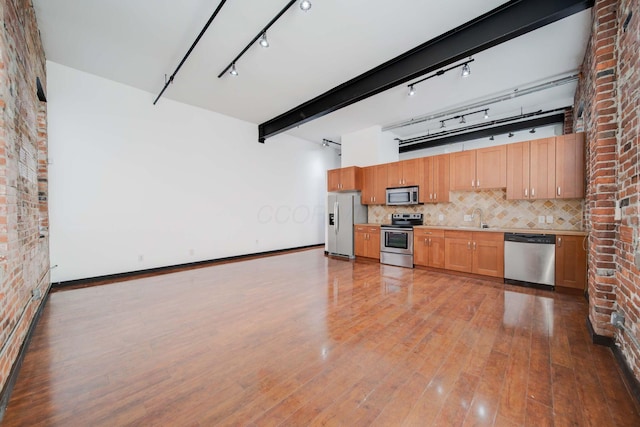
[119,277]
[5,394]
[627,374]
[599,339]
[629,379]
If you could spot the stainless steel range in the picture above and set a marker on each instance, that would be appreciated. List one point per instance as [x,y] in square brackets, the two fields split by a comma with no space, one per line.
[396,239]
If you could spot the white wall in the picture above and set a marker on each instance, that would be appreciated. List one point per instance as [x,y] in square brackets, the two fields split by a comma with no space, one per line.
[367,147]
[542,132]
[170,183]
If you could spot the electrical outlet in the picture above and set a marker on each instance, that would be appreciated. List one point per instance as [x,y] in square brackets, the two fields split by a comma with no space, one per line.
[541,219]
[36,293]
[440,217]
[468,218]
[549,219]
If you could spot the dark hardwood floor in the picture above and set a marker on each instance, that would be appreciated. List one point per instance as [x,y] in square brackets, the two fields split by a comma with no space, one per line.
[301,339]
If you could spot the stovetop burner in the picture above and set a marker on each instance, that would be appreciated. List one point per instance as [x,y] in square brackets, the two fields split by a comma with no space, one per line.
[405,220]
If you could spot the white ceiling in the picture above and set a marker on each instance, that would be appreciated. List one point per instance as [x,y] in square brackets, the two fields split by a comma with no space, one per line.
[138,42]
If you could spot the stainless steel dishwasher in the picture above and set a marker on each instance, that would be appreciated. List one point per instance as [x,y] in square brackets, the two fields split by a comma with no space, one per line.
[530,259]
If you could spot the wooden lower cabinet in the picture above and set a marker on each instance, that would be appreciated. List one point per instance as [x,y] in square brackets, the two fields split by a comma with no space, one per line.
[571,261]
[367,241]
[488,254]
[428,247]
[478,252]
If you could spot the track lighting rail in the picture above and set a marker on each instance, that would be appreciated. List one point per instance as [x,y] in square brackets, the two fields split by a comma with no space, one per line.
[260,33]
[432,136]
[441,72]
[193,45]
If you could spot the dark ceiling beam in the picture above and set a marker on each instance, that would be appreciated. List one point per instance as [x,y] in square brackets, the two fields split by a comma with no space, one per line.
[485,133]
[502,24]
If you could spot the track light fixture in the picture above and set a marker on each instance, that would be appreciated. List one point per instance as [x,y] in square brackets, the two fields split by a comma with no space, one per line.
[262,35]
[510,134]
[533,130]
[444,70]
[325,143]
[263,40]
[412,91]
[233,71]
[463,117]
[491,138]
[305,5]
[466,70]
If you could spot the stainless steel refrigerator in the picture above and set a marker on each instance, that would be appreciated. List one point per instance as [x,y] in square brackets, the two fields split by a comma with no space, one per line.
[343,210]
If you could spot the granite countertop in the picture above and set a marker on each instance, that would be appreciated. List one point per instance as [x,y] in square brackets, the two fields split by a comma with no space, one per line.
[508,230]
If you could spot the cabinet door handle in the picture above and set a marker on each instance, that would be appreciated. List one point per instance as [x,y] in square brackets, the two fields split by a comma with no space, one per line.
[558,191]
[374,198]
[478,183]
[474,246]
[533,192]
[435,196]
[430,196]
[526,192]
[429,241]
[468,245]
[472,182]
[559,242]
[425,241]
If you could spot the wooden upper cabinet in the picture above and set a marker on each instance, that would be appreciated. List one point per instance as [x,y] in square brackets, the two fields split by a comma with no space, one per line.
[491,167]
[570,166]
[404,173]
[518,171]
[571,261]
[374,185]
[479,169]
[344,179]
[542,168]
[436,179]
[462,176]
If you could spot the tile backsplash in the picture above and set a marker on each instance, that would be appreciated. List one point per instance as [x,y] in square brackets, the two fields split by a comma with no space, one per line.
[497,211]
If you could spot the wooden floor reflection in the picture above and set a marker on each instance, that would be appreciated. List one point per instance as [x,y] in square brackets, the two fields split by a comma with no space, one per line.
[301,339]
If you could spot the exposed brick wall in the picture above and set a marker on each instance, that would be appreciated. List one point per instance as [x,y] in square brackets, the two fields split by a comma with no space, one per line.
[609,90]
[627,246]
[568,121]
[24,254]
[597,94]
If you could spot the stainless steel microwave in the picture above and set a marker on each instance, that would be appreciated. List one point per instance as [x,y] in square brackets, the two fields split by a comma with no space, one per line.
[402,196]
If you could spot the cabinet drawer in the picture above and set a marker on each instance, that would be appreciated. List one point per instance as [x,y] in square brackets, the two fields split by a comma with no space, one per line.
[361,229]
[430,232]
[488,236]
[373,230]
[453,234]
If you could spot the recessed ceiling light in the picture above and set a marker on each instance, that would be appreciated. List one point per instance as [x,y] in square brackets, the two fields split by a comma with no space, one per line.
[305,5]
[412,91]
[233,71]
[486,114]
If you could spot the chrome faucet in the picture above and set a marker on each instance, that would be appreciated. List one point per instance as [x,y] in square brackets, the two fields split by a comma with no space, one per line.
[473,214]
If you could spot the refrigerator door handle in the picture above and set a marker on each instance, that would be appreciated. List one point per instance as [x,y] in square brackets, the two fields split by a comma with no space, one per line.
[336,215]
